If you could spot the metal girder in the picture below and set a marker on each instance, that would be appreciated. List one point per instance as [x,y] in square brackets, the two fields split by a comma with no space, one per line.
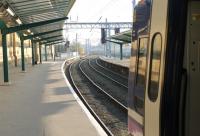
[38,12]
[21,2]
[37,8]
[31,25]
[35,3]
[2,24]
[40,34]
[115,42]
[51,41]
[41,17]
[129,35]
[89,25]
[38,19]
[47,38]
[121,52]
[5,59]
[127,41]
[30,3]
[55,42]
[28,9]
[32,6]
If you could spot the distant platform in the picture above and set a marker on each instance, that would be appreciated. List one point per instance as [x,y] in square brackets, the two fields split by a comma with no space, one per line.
[41,103]
[117,61]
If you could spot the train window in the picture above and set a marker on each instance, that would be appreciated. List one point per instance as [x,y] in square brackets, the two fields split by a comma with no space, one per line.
[141,75]
[155,67]
[142,60]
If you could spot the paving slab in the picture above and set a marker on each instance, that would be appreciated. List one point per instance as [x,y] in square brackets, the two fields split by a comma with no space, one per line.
[40,103]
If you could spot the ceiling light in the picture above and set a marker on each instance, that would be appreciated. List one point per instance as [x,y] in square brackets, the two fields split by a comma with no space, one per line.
[10,11]
[29,30]
[19,21]
[32,33]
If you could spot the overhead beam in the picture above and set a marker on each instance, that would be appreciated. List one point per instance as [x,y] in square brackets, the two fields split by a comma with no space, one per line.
[38,12]
[52,41]
[31,25]
[17,4]
[47,38]
[40,34]
[115,42]
[127,41]
[94,25]
[55,42]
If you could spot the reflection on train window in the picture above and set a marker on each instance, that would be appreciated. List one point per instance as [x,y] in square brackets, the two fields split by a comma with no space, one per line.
[155,67]
[141,75]
[142,60]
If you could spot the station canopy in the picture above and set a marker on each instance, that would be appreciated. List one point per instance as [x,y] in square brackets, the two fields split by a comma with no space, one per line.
[123,37]
[29,11]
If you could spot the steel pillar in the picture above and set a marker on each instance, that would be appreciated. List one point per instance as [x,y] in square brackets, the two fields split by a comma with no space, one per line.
[54,56]
[14,49]
[22,55]
[40,53]
[121,52]
[5,59]
[33,54]
[45,53]
[51,51]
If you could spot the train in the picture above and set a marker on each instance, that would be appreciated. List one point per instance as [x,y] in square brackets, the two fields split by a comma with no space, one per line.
[164,73]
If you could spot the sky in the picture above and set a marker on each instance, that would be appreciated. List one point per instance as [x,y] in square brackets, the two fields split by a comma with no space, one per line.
[92,11]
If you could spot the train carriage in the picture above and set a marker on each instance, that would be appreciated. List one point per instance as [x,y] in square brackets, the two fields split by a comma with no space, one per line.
[164,72]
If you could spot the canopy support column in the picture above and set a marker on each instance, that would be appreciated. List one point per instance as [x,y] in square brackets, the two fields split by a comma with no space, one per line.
[5,59]
[22,54]
[45,53]
[121,52]
[33,54]
[40,53]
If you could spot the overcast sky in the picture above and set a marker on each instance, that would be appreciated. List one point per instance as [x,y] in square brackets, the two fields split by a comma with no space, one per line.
[93,10]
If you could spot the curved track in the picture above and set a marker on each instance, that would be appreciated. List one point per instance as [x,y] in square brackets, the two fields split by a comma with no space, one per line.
[117,78]
[115,120]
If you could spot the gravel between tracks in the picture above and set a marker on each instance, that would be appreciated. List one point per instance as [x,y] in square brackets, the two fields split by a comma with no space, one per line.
[118,92]
[108,73]
[109,113]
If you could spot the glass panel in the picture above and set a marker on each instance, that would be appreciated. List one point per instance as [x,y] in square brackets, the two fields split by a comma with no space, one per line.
[155,67]
[132,70]
[142,60]
[141,76]
[141,18]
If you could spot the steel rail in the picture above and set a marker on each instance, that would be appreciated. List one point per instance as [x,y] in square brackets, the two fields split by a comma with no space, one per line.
[123,107]
[107,76]
[108,132]
[110,70]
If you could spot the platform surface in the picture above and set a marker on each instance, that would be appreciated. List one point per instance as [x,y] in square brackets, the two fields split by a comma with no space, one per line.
[124,62]
[39,103]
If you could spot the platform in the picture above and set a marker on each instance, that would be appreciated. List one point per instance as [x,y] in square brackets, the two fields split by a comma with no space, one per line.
[117,61]
[40,103]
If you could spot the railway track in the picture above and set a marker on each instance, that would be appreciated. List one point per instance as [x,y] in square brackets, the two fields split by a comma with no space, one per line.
[119,75]
[110,113]
[108,74]
[114,89]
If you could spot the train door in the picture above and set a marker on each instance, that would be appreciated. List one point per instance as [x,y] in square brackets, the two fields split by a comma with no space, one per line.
[155,69]
[192,64]
[138,67]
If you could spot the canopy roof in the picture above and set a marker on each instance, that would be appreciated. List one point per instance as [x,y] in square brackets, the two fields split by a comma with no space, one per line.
[123,37]
[29,11]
